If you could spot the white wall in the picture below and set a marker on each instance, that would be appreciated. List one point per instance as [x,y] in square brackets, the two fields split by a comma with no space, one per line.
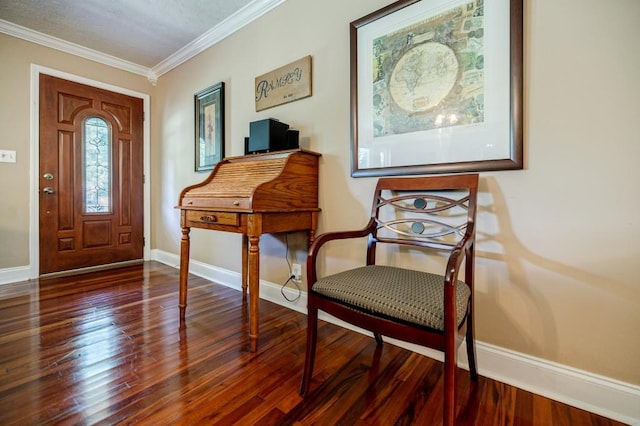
[557,274]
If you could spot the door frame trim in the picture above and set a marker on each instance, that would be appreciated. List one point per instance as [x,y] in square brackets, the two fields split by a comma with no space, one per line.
[34,203]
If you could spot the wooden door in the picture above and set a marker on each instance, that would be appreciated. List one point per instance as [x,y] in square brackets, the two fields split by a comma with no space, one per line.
[91,176]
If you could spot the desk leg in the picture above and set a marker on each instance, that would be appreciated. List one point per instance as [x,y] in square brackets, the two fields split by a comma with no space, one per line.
[184,271]
[254,290]
[314,226]
[245,255]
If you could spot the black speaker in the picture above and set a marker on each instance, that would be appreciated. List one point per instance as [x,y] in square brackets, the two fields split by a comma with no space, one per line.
[267,135]
[293,139]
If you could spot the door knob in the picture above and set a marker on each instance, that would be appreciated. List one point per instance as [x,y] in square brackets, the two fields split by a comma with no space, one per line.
[48,190]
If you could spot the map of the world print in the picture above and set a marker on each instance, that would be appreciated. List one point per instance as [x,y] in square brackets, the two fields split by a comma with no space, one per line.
[431,74]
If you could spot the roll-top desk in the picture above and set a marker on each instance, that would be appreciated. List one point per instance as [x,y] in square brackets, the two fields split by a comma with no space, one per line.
[251,195]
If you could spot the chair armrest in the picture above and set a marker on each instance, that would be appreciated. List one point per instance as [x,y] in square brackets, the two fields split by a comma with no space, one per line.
[458,254]
[464,249]
[322,239]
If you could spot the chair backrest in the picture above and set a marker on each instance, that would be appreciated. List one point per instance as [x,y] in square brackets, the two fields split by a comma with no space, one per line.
[435,212]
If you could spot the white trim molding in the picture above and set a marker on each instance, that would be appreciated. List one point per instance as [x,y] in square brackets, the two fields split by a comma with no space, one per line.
[233,23]
[597,394]
[14,275]
[68,47]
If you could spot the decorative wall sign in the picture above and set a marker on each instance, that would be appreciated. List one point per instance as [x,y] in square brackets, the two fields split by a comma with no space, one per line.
[436,87]
[209,147]
[285,84]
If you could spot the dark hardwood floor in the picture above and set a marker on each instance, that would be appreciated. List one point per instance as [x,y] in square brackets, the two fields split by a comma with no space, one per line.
[107,348]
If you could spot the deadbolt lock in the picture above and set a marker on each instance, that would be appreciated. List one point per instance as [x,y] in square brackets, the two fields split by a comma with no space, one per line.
[48,176]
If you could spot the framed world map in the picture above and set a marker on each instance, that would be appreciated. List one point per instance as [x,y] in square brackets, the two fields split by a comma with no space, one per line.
[437,87]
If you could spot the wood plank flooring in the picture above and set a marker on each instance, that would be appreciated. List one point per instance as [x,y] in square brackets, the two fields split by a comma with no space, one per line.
[108,348]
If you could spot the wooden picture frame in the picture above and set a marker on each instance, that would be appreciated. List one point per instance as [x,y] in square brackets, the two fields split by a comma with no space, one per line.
[436,87]
[209,127]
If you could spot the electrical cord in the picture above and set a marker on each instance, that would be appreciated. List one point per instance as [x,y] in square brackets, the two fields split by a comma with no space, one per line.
[291,280]
[291,277]
[286,254]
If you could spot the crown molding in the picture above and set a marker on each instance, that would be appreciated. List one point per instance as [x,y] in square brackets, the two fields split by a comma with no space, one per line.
[243,17]
[233,23]
[72,48]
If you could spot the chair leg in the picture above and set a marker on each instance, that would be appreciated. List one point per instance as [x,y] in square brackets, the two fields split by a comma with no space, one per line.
[312,334]
[471,348]
[378,338]
[449,409]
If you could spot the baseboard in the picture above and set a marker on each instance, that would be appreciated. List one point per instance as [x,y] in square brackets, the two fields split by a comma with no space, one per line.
[591,392]
[268,291]
[14,275]
[581,389]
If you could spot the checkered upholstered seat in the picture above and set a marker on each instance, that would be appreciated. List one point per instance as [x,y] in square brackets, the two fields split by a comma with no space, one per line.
[411,296]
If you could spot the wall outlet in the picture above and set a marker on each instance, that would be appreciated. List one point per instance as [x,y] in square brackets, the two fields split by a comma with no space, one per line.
[296,271]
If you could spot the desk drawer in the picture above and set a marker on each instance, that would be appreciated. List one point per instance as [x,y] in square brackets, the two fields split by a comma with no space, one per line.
[213,218]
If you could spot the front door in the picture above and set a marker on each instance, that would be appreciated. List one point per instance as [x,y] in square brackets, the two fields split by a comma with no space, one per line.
[91,176]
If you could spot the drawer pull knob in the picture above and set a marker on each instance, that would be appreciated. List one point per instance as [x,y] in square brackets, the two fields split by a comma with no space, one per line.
[236,203]
[211,218]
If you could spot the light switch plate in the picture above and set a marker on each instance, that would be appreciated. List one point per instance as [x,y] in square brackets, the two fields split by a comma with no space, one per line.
[7,156]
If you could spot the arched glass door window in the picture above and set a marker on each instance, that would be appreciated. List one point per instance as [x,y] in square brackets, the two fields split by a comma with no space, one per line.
[97,165]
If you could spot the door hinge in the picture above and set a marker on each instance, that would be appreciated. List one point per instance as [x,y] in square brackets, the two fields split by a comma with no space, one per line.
[144,242]
[144,179]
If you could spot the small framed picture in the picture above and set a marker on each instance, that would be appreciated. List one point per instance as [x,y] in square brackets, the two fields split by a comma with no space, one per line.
[209,149]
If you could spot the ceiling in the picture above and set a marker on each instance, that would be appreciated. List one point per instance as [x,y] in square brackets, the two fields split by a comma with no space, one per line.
[144,36]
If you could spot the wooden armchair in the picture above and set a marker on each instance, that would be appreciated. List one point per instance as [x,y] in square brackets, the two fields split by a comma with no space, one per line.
[435,214]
